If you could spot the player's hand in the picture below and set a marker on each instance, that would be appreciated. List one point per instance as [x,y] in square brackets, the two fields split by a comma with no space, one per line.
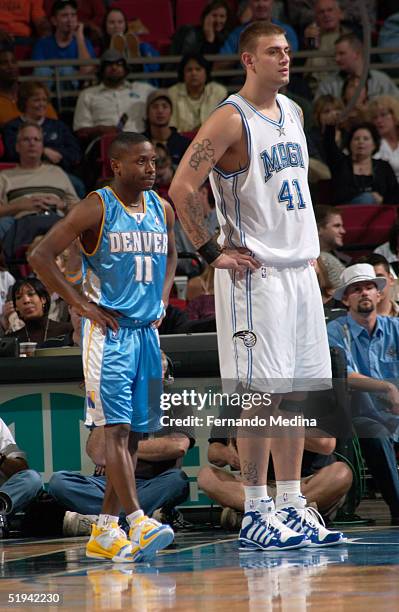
[100,316]
[156,324]
[234,259]
[232,457]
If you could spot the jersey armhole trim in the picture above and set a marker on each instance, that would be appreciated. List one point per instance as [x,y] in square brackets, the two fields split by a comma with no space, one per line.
[100,233]
[228,175]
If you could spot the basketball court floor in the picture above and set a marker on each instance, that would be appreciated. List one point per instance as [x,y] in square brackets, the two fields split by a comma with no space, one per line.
[205,571]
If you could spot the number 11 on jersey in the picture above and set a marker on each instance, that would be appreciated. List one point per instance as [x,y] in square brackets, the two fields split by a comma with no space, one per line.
[143,265]
[286,195]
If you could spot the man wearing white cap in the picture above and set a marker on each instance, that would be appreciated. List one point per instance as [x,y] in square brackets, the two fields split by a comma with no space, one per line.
[371,345]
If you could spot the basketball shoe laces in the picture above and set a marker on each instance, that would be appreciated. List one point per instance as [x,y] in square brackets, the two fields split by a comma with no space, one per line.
[311,516]
[116,532]
[270,521]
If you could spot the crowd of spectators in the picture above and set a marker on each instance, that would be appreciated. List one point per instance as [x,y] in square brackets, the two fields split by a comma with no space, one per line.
[55,130]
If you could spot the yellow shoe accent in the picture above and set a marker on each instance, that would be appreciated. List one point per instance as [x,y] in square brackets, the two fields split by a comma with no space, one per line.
[109,543]
[148,536]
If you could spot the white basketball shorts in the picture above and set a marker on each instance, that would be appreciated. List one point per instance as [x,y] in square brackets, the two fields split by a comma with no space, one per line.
[271,329]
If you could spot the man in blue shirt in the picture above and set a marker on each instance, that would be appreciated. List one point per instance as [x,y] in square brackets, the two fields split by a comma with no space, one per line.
[67,43]
[261,11]
[371,345]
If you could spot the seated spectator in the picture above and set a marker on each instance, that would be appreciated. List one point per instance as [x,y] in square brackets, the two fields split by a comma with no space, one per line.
[6,282]
[31,188]
[370,344]
[194,97]
[161,482]
[201,295]
[158,130]
[112,105]
[325,110]
[116,36]
[331,232]
[349,55]
[32,301]
[359,112]
[325,481]
[24,19]
[389,37]
[9,86]
[326,26]
[390,249]
[362,179]
[261,10]
[387,305]
[209,36]
[91,14]
[67,43]
[301,12]
[18,484]
[384,113]
[164,170]
[60,146]
[326,286]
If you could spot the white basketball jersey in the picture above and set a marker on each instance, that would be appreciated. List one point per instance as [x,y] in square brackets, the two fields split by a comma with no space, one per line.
[266,207]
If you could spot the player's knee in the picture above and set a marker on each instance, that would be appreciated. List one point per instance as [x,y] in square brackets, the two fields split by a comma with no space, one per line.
[342,477]
[117,433]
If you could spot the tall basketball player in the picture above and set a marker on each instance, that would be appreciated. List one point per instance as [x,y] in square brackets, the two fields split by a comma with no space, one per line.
[271,330]
[129,260]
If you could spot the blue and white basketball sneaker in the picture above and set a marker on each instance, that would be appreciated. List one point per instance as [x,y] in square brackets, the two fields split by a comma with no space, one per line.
[310,522]
[261,529]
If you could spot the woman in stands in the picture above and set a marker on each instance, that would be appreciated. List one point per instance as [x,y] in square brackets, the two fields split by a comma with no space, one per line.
[117,36]
[60,145]
[358,178]
[32,303]
[384,113]
[194,97]
[209,36]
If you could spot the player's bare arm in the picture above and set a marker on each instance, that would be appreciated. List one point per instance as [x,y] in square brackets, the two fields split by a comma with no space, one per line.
[215,140]
[83,221]
[171,258]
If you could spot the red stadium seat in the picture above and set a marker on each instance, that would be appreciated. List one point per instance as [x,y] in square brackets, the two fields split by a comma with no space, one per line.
[156,16]
[105,170]
[7,165]
[189,12]
[367,226]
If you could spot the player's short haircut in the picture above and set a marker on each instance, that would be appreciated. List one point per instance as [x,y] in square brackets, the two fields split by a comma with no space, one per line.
[352,40]
[323,214]
[124,141]
[250,35]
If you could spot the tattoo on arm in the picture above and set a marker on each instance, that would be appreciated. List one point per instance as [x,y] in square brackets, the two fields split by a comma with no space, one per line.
[250,472]
[203,151]
[194,220]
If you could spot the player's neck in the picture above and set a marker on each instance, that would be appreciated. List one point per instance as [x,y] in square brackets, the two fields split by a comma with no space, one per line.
[132,199]
[262,99]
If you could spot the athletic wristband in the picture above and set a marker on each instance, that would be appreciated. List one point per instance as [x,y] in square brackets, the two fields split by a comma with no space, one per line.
[210,250]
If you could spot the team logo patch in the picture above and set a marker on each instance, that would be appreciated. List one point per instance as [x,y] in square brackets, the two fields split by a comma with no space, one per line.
[157,221]
[263,271]
[248,337]
[91,399]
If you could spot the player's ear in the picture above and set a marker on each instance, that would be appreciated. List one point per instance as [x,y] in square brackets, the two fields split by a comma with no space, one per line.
[115,166]
[247,59]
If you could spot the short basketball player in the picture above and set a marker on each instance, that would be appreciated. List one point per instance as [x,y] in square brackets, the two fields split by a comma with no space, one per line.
[129,260]
[271,331]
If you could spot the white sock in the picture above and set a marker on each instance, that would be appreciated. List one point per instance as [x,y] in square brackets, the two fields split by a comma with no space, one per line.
[134,516]
[252,495]
[105,520]
[287,493]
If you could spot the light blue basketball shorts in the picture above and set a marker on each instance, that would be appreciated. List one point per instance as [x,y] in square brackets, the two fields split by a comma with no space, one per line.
[123,376]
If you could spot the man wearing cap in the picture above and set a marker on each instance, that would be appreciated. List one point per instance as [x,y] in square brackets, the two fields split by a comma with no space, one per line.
[371,345]
[158,130]
[67,43]
[114,104]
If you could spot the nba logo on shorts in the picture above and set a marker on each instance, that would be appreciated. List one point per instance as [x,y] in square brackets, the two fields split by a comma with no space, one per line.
[91,399]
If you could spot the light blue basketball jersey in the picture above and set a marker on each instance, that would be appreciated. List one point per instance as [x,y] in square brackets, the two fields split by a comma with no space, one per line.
[126,270]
